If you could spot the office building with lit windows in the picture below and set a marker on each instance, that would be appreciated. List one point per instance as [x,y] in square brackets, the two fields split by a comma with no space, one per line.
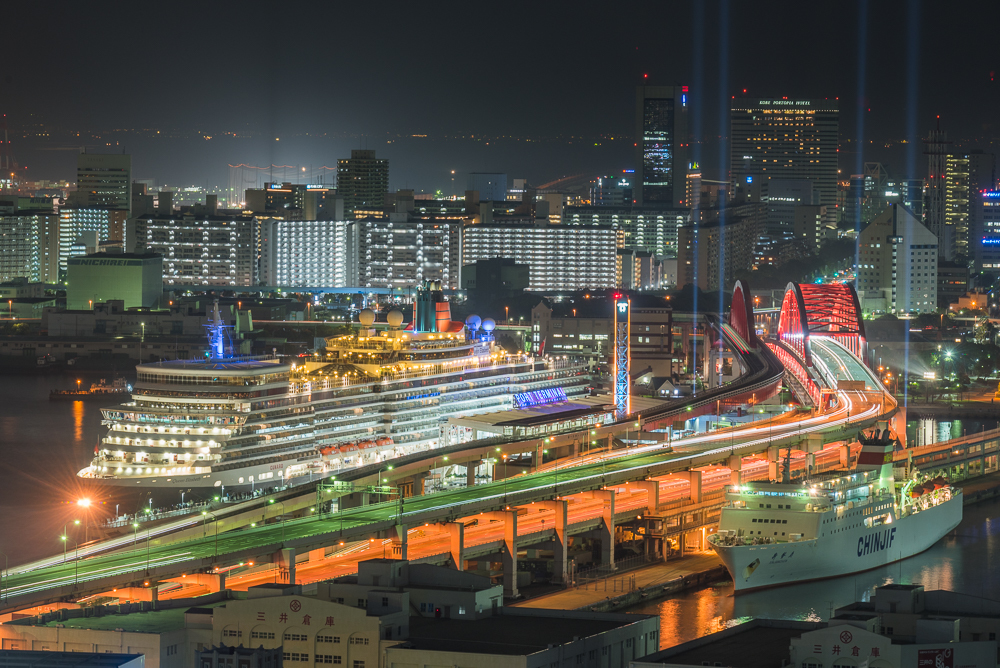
[946,196]
[660,145]
[209,250]
[986,243]
[787,139]
[295,201]
[898,262]
[305,253]
[75,224]
[560,258]
[103,181]
[363,181]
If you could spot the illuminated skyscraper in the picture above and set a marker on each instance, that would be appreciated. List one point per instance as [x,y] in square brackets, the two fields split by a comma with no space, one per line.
[660,145]
[788,139]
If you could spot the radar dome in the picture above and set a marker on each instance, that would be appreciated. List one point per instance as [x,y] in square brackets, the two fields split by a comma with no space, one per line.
[366,317]
[473,322]
[394,318]
[489,324]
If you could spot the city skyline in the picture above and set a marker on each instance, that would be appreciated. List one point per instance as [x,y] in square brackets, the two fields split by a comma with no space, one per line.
[310,114]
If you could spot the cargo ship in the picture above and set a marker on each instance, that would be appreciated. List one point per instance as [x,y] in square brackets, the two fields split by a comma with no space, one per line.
[381,392]
[100,390]
[773,534]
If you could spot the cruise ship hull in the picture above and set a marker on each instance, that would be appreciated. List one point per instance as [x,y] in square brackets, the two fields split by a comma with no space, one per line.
[842,553]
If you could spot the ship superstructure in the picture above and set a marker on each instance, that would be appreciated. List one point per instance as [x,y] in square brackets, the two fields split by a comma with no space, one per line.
[375,394]
[839,523]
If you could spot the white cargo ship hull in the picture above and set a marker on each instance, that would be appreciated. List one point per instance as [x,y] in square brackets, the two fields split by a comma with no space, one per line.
[842,553]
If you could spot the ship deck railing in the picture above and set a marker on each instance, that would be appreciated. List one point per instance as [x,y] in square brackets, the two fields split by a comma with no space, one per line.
[319,383]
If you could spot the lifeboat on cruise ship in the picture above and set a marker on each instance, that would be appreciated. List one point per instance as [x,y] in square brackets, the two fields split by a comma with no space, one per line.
[385,440]
[364,445]
[348,447]
[937,482]
[917,491]
[329,450]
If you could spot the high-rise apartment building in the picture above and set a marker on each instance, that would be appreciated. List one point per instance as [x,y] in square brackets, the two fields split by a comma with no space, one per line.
[898,262]
[103,181]
[29,239]
[789,139]
[363,181]
[661,144]
[305,253]
[560,257]
[711,253]
[649,229]
[808,224]
[403,252]
[204,249]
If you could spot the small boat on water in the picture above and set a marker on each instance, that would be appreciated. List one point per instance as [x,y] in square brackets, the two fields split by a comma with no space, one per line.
[99,390]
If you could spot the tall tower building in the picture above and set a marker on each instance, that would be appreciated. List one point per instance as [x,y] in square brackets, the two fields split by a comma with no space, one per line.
[947,195]
[788,139]
[103,181]
[661,145]
[363,181]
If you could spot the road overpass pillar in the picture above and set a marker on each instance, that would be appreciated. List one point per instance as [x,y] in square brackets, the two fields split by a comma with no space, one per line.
[457,531]
[399,542]
[607,526]
[773,458]
[561,548]
[652,489]
[735,470]
[509,550]
[470,473]
[418,482]
[318,554]
[576,447]
[285,559]
[695,478]
[845,457]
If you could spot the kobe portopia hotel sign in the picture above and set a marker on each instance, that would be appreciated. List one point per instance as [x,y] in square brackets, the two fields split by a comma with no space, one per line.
[785,103]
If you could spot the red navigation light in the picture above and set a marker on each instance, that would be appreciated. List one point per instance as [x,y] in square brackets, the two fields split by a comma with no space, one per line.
[645,76]
[684,89]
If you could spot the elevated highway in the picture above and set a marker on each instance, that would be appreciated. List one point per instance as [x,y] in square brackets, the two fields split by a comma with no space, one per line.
[591,481]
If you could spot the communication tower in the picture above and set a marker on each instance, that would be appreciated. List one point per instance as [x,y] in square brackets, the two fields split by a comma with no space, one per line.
[623,355]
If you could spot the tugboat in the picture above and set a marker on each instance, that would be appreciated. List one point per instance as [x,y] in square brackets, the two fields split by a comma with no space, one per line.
[835,524]
[100,390]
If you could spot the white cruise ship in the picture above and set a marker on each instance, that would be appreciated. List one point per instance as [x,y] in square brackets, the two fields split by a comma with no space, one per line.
[774,534]
[377,394]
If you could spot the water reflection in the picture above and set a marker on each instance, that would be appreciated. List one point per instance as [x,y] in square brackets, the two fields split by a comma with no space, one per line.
[78,413]
[959,562]
[926,431]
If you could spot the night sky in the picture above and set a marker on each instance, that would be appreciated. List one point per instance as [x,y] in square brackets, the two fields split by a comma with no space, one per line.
[348,75]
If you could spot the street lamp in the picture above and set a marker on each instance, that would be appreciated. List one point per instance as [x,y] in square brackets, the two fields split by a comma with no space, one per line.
[282,504]
[215,521]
